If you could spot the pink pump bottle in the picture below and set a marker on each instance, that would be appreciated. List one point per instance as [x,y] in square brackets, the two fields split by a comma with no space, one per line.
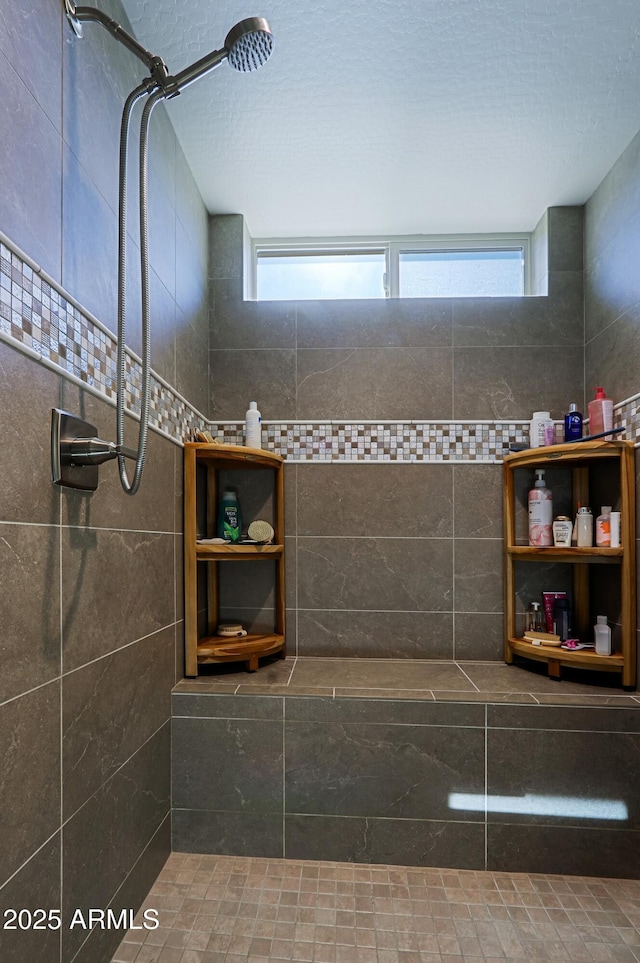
[600,413]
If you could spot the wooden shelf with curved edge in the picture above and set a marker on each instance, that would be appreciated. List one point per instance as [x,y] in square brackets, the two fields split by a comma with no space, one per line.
[586,462]
[248,649]
[556,657]
[210,648]
[208,553]
[596,556]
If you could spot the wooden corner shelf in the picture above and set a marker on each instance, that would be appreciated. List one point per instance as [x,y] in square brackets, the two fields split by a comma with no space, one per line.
[583,460]
[212,648]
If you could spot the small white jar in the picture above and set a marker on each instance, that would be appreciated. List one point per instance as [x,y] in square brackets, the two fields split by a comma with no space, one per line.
[562,529]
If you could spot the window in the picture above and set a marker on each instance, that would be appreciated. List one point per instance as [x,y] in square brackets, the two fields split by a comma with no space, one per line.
[329,273]
[433,267]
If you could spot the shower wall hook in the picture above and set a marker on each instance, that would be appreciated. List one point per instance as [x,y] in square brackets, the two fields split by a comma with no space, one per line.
[76,452]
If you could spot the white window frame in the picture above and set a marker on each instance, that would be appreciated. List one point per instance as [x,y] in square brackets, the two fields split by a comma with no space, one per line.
[392,247]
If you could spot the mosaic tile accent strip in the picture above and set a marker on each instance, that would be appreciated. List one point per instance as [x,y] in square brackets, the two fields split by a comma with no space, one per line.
[334,441]
[37,316]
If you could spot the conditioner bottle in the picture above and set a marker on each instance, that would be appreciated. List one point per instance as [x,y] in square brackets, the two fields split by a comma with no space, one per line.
[253,427]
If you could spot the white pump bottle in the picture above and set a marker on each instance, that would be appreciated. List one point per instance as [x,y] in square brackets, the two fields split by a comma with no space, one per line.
[253,429]
[540,513]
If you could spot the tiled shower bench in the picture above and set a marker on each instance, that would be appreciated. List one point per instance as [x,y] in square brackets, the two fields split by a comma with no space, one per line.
[493,767]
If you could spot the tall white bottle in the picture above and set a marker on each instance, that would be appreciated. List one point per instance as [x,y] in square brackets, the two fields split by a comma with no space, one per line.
[540,513]
[253,429]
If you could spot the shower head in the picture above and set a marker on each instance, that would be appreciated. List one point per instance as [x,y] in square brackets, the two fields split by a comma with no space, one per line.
[249,44]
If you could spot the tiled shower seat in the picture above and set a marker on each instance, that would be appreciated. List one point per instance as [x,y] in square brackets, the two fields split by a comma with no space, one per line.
[457,765]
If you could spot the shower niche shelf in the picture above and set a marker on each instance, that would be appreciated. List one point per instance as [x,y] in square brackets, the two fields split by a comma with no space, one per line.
[596,473]
[203,464]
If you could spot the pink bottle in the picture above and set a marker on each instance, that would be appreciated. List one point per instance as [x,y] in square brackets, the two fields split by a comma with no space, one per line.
[540,513]
[600,413]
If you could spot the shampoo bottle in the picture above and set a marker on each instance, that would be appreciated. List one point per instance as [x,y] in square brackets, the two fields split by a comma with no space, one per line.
[540,513]
[600,413]
[573,424]
[253,430]
[602,636]
[229,517]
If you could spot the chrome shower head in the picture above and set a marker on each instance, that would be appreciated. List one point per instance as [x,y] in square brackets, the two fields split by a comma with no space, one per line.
[249,44]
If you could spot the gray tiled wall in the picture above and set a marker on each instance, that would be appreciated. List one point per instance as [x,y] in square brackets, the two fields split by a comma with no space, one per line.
[91,600]
[612,283]
[372,781]
[397,561]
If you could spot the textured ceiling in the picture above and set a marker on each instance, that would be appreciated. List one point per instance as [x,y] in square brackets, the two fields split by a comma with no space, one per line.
[403,116]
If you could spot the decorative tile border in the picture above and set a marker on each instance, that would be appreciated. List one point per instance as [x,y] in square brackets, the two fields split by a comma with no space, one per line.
[40,318]
[378,441]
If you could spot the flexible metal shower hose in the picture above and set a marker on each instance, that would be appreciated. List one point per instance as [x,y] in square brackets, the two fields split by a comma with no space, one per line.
[132,487]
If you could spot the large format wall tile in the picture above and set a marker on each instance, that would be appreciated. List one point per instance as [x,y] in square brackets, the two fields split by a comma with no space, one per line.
[478,501]
[264,375]
[375,635]
[405,574]
[496,382]
[227,833]
[247,325]
[109,708]
[594,767]
[400,842]
[376,500]
[559,849]
[226,239]
[522,322]
[402,323]
[399,771]
[28,394]
[611,286]
[35,886]
[101,944]
[29,774]
[29,606]
[32,43]
[192,360]
[364,383]
[210,706]
[116,587]
[30,201]
[611,357]
[566,238]
[227,764]
[478,636]
[90,243]
[477,575]
[98,74]
[151,509]
[105,838]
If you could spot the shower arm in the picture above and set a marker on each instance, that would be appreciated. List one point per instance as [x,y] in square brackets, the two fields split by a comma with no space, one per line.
[79,15]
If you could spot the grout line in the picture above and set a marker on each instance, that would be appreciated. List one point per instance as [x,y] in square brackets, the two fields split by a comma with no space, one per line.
[486,786]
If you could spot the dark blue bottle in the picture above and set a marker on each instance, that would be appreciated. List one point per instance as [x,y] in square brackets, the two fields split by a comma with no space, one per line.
[572,424]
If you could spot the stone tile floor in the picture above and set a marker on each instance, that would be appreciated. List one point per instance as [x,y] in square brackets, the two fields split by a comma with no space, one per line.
[525,683]
[228,909]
